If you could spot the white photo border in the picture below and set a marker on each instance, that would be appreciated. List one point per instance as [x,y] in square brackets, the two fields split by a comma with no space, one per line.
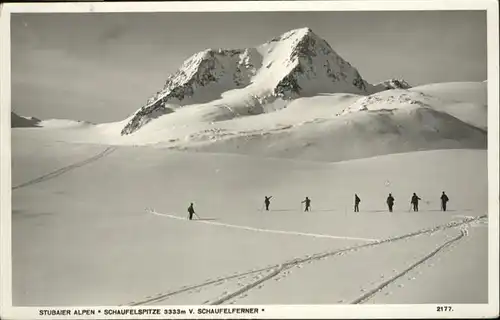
[489,310]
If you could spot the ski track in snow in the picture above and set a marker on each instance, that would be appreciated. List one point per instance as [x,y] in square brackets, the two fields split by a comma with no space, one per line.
[279,268]
[377,289]
[58,172]
[228,296]
[162,296]
[265,230]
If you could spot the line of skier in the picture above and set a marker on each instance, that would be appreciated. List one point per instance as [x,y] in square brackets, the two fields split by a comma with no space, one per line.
[390,203]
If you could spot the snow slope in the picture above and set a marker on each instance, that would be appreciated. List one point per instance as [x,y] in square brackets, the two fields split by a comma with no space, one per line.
[442,272]
[357,136]
[81,235]
[472,92]
[327,127]
[471,112]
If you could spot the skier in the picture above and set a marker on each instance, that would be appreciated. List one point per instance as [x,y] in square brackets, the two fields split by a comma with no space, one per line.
[414,201]
[267,202]
[444,200]
[390,202]
[307,201]
[357,200]
[191,211]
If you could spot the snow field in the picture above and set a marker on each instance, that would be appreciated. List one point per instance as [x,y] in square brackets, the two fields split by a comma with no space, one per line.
[84,238]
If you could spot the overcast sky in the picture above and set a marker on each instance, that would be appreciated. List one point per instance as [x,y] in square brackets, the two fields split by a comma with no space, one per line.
[101,67]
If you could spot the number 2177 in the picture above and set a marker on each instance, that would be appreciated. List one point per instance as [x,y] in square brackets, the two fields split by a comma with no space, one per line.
[444,308]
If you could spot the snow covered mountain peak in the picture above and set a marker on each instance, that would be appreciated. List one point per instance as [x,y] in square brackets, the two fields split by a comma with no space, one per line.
[393,84]
[295,64]
[307,65]
[294,35]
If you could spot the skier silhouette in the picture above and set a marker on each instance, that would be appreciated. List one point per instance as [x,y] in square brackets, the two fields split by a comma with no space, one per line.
[357,200]
[444,200]
[307,201]
[267,202]
[414,201]
[191,211]
[390,202]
